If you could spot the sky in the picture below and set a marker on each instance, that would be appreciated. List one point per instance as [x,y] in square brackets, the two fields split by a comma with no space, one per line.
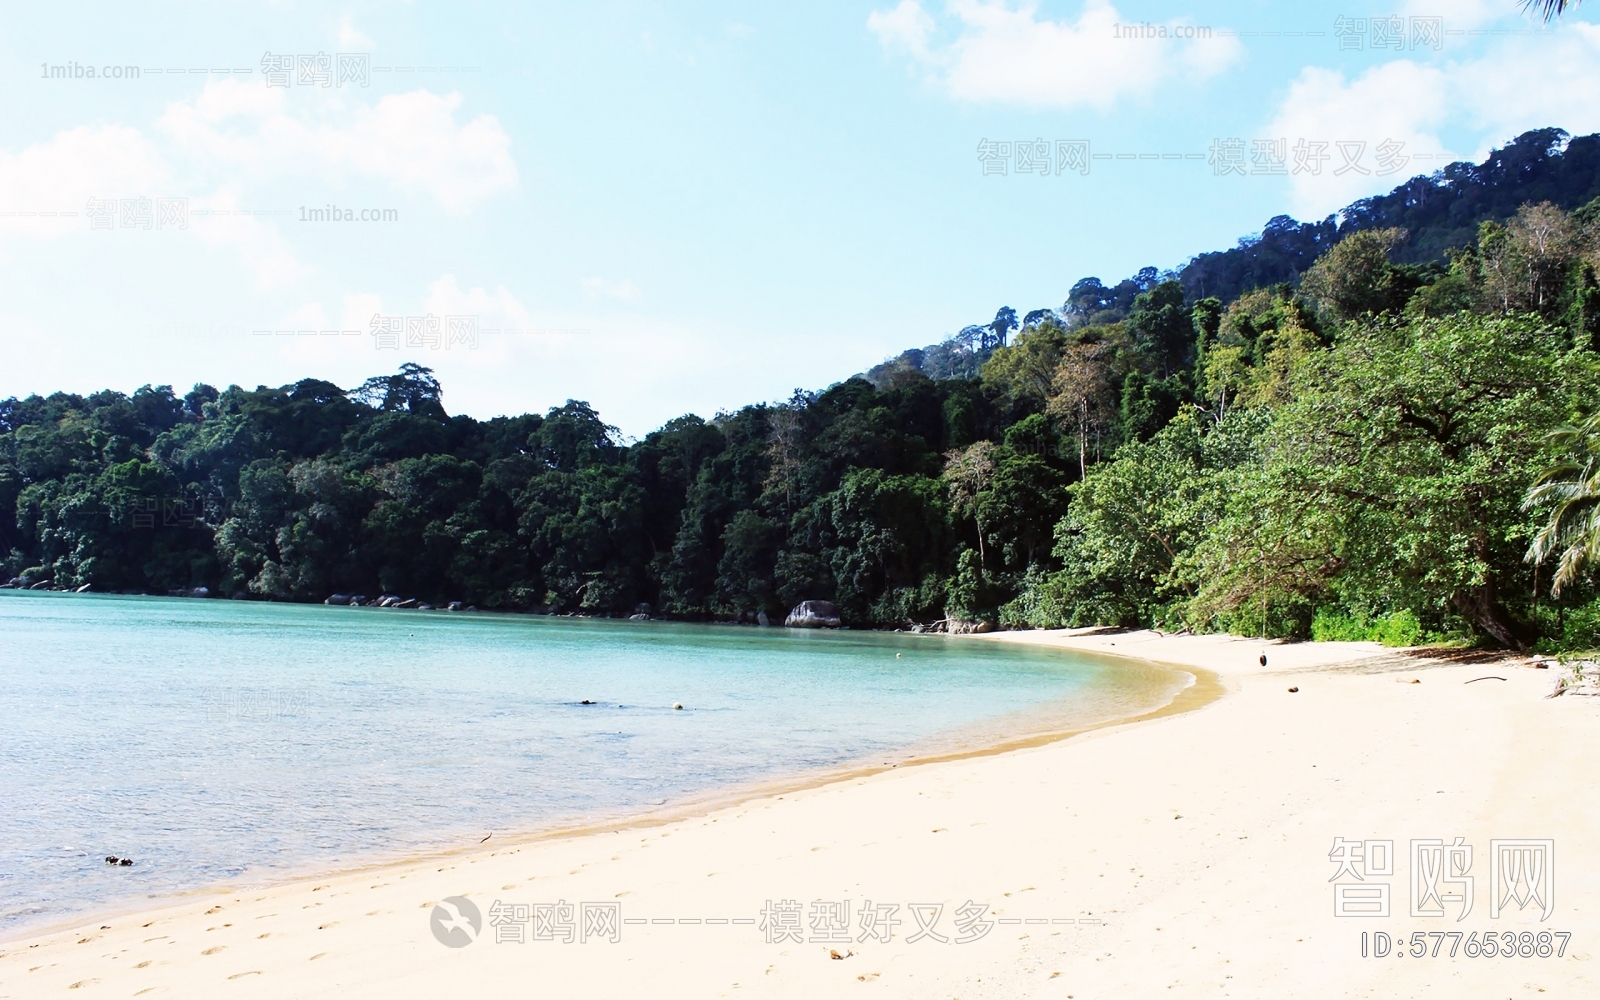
[684,208]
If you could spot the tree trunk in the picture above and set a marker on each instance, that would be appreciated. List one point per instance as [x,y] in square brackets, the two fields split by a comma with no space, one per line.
[1083,454]
[1482,605]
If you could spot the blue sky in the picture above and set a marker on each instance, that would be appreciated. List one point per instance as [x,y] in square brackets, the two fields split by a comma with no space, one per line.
[670,208]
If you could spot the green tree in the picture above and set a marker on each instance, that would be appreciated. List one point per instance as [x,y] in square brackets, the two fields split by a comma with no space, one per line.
[1570,488]
[967,474]
[1420,441]
[1355,278]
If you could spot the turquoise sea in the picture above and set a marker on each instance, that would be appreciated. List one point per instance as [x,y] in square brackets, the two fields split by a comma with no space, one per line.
[229,741]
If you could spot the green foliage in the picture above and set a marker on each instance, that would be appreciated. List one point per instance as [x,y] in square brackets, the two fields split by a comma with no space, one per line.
[1350,459]
[1355,278]
[1398,628]
[1570,630]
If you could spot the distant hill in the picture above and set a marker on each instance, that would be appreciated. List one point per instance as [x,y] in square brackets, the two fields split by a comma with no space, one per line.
[1440,211]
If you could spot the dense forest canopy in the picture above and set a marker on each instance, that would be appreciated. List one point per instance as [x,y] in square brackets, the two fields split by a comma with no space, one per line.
[1439,212]
[1330,430]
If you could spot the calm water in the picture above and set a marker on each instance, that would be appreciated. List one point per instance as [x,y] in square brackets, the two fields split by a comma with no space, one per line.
[226,740]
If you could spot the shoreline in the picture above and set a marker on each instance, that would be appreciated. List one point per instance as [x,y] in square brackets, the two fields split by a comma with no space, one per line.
[1203,688]
[1228,812]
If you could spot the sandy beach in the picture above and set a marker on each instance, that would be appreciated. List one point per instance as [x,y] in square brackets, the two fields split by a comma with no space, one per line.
[1186,855]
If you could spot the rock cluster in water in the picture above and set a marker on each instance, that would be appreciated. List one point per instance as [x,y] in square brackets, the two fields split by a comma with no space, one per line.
[814,614]
[392,601]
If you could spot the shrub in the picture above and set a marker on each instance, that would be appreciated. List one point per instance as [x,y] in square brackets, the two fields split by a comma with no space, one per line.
[1398,628]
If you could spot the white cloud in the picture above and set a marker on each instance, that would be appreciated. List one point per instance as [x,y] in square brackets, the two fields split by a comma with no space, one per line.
[309,340]
[1521,84]
[412,141]
[1006,54]
[352,39]
[907,28]
[262,249]
[498,308]
[116,162]
[358,311]
[623,291]
[61,175]
[1323,106]
[355,316]
[1534,82]
[1460,15]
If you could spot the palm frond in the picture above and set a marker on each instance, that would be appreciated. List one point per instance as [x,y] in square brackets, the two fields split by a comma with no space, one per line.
[1570,489]
[1548,9]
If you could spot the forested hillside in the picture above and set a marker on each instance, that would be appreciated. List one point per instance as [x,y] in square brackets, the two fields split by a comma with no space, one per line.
[1439,212]
[1343,451]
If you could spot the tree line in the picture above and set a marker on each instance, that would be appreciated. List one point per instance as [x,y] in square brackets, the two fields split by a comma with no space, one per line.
[1349,455]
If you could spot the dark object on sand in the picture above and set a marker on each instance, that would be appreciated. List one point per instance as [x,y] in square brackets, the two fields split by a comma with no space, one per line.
[1263,659]
[1293,689]
[1491,677]
[586,701]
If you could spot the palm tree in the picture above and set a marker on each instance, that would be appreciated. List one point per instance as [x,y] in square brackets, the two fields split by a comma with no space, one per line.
[1549,9]
[1572,485]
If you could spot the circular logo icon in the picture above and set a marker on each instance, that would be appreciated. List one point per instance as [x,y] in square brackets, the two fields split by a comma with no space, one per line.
[456,921]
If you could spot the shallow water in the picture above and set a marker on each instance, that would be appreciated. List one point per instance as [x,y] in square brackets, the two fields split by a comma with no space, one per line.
[230,740]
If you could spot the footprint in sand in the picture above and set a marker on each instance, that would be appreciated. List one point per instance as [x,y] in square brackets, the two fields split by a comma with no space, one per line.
[213,951]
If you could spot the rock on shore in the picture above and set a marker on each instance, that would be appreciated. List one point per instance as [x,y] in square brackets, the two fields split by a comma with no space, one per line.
[813,614]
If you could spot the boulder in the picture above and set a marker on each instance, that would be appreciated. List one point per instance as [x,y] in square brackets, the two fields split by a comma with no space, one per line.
[409,602]
[357,600]
[388,601]
[424,606]
[762,619]
[454,606]
[83,589]
[813,614]
[638,618]
[41,585]
[642,608]
[338,599]
[957,627]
